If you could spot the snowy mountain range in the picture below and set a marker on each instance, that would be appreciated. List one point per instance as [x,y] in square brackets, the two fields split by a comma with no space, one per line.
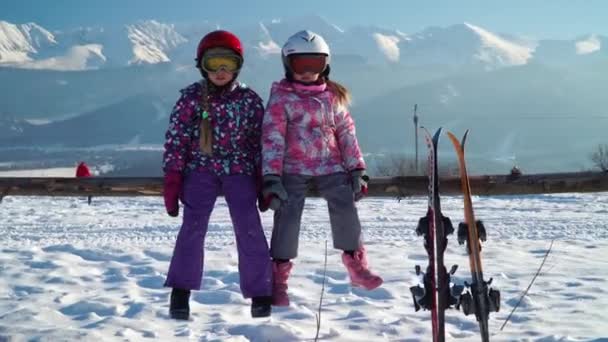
[31,46]
[104,86]
[151,42]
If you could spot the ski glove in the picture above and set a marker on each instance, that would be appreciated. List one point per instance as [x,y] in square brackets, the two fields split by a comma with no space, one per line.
[259,186]
[359,183]
[172,188]
[274,192]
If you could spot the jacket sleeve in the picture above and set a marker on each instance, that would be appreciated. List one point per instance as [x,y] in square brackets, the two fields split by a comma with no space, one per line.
[347,140]
[255,136]
[274,129]
[178,136]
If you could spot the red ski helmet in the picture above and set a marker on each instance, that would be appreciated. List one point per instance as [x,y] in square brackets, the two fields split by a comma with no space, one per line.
[219,38]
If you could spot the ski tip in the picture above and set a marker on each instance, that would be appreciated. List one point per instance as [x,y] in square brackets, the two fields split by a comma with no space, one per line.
[427,134]
[437,134]
[464,138]
[459,144]
[435,137]
[452,136]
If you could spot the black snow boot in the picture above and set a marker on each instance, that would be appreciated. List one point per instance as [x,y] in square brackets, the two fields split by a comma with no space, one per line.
[179,308]
[261,306]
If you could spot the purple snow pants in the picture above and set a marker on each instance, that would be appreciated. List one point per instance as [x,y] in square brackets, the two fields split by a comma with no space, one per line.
[200,192]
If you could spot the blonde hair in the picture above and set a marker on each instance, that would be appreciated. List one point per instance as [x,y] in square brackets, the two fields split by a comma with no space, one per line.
[206,131]
[343,96]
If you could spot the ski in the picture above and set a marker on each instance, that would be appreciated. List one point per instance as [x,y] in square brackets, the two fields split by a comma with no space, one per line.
[436,295]
[479,298]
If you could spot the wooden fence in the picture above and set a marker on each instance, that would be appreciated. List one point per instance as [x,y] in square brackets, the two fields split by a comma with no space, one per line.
[378,187]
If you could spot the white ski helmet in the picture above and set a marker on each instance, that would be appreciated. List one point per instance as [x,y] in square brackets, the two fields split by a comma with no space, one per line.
[304,42]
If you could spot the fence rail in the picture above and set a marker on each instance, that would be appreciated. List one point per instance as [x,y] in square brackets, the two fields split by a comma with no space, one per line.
[378,187]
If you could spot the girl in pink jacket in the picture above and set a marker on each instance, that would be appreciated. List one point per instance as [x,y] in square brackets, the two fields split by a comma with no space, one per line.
[308,140]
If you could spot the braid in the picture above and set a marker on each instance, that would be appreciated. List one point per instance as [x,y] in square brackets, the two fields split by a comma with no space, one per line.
[206,132]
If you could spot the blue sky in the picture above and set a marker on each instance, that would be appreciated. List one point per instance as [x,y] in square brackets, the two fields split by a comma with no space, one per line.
[539,19]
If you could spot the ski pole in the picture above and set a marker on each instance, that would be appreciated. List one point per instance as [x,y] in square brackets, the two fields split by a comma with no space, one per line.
[529,286]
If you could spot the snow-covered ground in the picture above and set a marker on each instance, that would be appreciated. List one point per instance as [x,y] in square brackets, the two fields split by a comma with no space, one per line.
[69,271]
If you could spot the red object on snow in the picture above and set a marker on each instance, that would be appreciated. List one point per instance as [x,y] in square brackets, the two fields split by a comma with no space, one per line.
[82,170]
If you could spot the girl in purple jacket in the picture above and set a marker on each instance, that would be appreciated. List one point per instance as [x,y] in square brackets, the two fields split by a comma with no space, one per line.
[308,139]
[213,146]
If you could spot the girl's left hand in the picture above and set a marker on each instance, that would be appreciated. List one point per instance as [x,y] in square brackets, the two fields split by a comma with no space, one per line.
[359,181]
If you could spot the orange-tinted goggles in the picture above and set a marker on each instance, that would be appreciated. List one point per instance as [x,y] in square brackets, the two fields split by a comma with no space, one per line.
[215,63]
[313,63]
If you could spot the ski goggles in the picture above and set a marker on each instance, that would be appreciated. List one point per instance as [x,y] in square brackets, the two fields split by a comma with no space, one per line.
[215,63]
[302,63]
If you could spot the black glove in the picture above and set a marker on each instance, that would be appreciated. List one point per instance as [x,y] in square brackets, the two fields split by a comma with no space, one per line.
[359,183]
[273,191]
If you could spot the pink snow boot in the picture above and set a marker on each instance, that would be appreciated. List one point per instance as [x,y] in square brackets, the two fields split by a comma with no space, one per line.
[280,273]
[357,267]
